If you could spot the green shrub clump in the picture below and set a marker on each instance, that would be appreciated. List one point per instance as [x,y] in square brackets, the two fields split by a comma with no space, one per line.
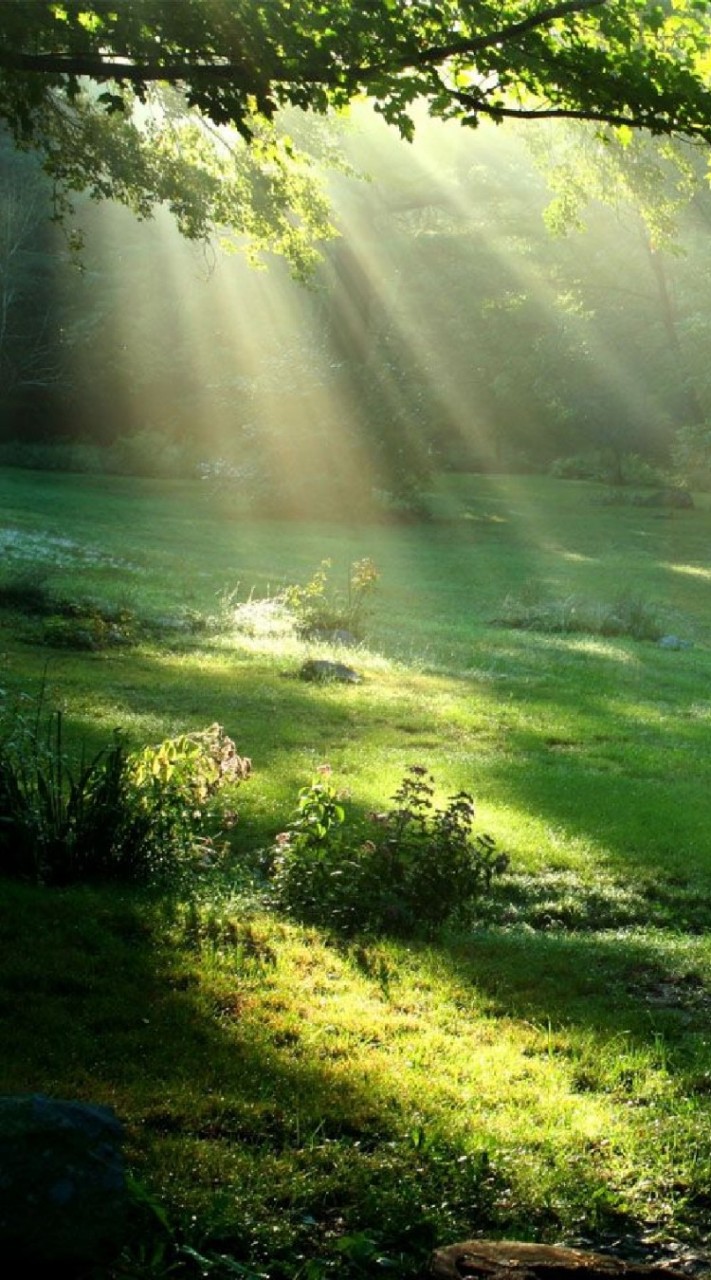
[413,869]
[610,467]
[134,816]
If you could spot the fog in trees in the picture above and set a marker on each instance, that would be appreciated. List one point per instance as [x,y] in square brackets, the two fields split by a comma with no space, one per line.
[494,300]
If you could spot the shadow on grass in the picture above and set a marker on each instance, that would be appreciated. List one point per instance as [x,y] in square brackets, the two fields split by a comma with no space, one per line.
[248,1136]
[608,984]
[102,967]
[243,1112]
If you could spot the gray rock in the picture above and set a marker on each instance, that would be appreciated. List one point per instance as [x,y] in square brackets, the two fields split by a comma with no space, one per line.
[63,1194]
[674,642]
[319,669]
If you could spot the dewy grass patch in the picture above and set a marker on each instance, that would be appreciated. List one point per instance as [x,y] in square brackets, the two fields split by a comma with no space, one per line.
[23,546]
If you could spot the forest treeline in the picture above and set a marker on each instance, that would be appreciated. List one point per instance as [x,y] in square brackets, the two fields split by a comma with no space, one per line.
[498,301]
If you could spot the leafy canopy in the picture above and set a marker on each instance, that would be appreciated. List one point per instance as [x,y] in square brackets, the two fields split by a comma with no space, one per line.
[72,73]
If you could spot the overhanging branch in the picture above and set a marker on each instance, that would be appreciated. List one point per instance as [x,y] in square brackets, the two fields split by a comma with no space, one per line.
[98,67]
[436,54]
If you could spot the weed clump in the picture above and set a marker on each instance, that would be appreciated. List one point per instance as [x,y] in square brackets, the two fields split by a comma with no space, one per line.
[83,625]
[318,608]
[417,867]
[627,615]
[122,815]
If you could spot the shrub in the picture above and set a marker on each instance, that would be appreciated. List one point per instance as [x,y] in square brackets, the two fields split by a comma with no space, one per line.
[131,816]
[406,503]
[318,607]
[418,865]
[143,453]
[691,455]
[47,456]
[87,625]
[151,453]
[609,467]
[581,466]
[70,624]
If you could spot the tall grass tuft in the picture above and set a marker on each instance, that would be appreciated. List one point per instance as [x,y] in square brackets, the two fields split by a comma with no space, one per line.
[628,615]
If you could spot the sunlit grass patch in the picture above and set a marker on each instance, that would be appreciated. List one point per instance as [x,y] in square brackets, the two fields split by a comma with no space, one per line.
[690,570]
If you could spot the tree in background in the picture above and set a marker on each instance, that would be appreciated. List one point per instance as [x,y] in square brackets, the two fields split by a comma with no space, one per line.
[34,334]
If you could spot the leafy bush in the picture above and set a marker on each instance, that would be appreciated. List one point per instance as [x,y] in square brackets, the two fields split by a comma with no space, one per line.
[151,453]
[580,466]
[318,607]
[131,816]
[46,456]
[418,865]
[143,453]
[406,503]
[87,625]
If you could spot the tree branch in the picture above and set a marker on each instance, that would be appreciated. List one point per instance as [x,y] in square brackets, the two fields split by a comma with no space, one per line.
[98,67]
[201,75]
[476,44]
[645,120]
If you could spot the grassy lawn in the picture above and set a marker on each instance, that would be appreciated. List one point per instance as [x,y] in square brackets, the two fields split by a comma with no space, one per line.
[300,1104]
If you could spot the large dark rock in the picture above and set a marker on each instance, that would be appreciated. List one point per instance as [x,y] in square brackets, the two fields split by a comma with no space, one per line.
[512,1260]
[63,1195]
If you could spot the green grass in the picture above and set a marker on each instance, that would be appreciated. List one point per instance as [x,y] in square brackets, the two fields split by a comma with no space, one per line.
[303,1105]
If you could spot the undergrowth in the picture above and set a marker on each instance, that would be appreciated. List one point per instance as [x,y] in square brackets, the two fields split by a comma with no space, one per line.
[136,816]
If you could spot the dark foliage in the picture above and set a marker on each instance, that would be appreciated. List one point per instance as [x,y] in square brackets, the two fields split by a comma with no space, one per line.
[122,815]
[420,864]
